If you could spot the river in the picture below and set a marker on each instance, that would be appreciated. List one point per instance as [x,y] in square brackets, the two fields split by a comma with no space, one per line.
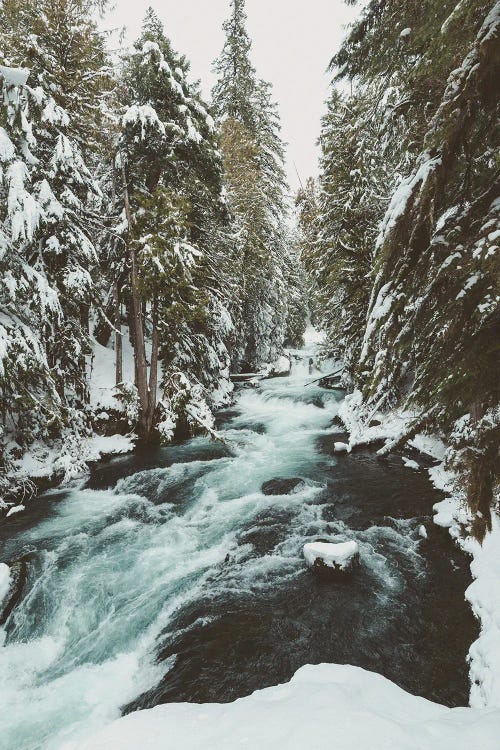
[171,577]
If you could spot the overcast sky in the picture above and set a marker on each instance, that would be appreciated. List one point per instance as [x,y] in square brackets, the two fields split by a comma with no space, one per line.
[293,42]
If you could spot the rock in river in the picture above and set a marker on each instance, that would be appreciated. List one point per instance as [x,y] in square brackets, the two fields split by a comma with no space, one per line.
[281,486]
[338,557]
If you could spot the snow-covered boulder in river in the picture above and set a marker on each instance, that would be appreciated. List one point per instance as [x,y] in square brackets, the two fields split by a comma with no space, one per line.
[341,448]
[338,557]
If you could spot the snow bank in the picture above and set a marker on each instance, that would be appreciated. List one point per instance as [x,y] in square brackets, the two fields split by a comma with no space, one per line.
[336,556]
[4,582]
[484,597]
[323,707]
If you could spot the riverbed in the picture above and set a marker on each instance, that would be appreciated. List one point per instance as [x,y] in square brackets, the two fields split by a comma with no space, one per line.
[171,576]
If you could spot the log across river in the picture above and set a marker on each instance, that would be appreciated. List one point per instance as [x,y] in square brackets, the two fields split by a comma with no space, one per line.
[173,577]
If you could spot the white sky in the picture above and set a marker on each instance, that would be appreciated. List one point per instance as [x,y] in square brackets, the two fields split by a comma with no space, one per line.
[293,42]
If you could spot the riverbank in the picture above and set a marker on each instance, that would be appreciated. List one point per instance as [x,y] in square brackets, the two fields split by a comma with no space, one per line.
[451,513]
[179,575]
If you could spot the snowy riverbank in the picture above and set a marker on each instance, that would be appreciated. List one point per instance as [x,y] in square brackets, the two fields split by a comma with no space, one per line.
[322,707]
[452,513]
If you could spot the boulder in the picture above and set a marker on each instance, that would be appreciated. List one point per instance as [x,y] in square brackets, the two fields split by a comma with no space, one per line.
[341,448]
[280,486]
[326,556]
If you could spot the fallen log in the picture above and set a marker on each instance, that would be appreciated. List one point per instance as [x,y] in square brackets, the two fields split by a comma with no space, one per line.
[325,377]
[243,377]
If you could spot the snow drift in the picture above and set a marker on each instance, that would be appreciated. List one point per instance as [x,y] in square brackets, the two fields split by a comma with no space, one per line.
[323,707]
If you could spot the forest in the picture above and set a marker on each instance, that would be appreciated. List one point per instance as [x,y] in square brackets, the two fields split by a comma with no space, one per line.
[158,274]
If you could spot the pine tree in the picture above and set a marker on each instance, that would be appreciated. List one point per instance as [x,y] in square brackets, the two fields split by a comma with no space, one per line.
[255,180]
[60,43]
[171,186]
[30,305]
[422,334]
[235,91]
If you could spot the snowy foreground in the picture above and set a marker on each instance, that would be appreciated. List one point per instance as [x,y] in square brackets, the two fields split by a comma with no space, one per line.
[328,706]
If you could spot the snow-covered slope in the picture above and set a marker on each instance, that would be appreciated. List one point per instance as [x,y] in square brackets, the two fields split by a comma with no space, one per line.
[324,707]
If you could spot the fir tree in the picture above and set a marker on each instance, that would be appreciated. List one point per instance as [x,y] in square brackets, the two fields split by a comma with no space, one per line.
[253,165]
[171,186]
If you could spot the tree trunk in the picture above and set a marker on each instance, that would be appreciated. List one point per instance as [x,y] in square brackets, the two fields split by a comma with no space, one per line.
[118,337]
[137,325]
[153,372]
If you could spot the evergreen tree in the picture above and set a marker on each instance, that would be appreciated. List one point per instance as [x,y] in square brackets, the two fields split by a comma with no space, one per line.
[236,88]
[65,53]
[29,304]
[420,295]
[171,187]
[255,180]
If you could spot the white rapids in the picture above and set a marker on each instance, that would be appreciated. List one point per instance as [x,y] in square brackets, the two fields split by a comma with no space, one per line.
[111,567]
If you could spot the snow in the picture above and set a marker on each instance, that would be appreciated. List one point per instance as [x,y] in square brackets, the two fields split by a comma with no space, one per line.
[410,464]
[422,531]
[7,150]
[100,445]
[146,116]
[323,707]
[4,581]
[102,378]
[405,33]
[484,597]
[337,556]
[402,195]
[341,448]
[16,509]
[14,76]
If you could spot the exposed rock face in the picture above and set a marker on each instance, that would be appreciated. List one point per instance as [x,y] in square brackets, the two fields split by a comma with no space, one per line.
[281,486]
[329,557]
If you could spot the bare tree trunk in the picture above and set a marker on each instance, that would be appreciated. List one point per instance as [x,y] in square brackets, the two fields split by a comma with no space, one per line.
[153,372]
[137,321]
[118,336]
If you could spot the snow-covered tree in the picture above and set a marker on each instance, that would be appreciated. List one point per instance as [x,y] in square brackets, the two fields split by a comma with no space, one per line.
[29,303]
[170,173]
[407,255]
[64,50]
[256,186]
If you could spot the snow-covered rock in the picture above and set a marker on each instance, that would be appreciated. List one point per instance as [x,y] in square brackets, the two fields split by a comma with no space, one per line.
[281,366]
[323,707]
[422,531]
[339,557]
[341,448]
[410,464]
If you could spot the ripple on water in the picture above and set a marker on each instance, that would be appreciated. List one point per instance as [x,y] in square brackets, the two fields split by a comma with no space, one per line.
[173,577]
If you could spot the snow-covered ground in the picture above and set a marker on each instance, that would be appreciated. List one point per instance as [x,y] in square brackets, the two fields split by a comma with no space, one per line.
[323,707]
[68,458]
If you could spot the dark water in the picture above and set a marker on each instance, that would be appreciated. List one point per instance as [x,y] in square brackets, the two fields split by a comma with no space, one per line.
[405,617]
[172,577]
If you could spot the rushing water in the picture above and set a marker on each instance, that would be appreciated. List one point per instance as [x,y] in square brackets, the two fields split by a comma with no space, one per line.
[172,577]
